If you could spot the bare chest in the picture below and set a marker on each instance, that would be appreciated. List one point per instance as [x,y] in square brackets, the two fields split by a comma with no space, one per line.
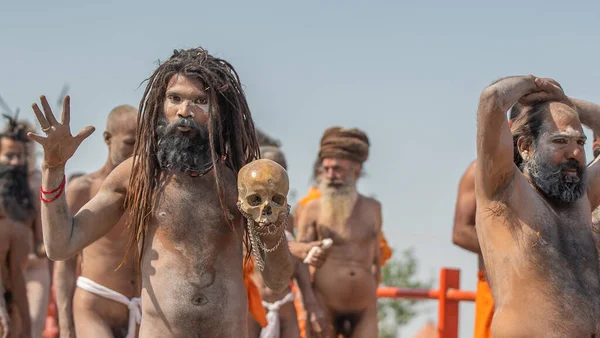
[360,227]
[562,250]
[190,212]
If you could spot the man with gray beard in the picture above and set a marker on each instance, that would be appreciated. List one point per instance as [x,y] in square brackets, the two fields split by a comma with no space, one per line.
[346,284]
[535,198]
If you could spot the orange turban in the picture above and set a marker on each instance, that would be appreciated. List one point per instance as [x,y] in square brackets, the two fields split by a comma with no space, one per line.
[350,144]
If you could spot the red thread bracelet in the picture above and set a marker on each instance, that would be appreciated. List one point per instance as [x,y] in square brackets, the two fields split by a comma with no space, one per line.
[58,190]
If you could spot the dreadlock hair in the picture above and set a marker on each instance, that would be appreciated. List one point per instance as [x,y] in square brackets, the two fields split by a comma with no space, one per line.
[231,132]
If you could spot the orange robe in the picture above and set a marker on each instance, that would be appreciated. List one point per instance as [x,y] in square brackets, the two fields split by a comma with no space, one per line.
[484,308]
[385,255]
[254,301]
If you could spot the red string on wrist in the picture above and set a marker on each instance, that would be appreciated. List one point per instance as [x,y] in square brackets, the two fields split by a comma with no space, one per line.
[58,191]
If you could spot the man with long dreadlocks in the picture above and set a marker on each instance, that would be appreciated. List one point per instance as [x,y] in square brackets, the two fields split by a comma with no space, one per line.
[346,284]
[179,189]
[106,299]
[37,274]
[16,209]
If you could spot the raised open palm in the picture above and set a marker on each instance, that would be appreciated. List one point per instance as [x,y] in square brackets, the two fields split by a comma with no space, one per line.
[59,145]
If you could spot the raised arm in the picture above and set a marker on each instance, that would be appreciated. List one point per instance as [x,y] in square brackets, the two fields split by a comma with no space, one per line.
[494,140]
[78,192]
[64,235]
[463,232]
[589,115]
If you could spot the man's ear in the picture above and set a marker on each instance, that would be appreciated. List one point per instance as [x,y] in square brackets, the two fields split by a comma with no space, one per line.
[524,147]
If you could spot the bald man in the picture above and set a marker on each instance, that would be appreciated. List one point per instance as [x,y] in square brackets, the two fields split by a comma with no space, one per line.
[99,305]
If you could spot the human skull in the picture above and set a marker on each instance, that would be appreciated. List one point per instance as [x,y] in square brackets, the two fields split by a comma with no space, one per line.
[263,186]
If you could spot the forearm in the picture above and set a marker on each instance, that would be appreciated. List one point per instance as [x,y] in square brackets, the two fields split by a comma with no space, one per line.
[504,93]
[64,284]
[57,223]
[466,237]
[589,114]
[278,265]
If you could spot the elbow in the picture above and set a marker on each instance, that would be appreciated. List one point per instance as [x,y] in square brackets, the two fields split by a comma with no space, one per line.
[57,254]
[457,239]
[490,99]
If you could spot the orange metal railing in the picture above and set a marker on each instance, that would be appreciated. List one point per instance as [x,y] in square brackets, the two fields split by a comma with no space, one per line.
[448,296]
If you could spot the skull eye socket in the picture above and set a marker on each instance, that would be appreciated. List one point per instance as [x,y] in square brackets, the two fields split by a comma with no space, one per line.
[278,200]
[254,200]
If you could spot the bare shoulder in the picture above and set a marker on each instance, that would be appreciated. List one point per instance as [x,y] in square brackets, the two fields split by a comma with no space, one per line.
[371,202]
[79,184]
[469,175]
[312,206]
[118,179]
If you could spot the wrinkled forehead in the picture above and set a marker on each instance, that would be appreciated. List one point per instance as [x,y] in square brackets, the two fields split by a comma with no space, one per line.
[562,120]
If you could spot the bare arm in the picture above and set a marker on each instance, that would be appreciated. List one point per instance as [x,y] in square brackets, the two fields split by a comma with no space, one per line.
[64,235]
[463,232]
[376,246]
[38,237]
[305,224]
[589,114]
[495,163]
[19,249]
[65,275]
[278,268]
[314,311]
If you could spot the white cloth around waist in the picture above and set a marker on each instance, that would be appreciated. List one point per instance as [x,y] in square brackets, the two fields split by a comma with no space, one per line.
[273,328]
[133,304]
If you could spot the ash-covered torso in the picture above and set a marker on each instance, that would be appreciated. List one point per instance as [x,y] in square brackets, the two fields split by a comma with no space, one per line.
[542,265]
[192,284]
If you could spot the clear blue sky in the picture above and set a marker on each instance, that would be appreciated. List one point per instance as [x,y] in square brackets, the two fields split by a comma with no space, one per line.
[407,73]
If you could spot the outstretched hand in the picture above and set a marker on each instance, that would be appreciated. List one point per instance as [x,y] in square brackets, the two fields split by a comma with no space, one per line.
[59,145]
[546,90]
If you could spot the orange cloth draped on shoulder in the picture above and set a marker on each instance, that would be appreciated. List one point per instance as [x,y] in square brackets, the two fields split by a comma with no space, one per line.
[386,251]
[484,308]
[254,301]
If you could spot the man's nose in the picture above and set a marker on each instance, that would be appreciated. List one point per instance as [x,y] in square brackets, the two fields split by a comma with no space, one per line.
[185,110]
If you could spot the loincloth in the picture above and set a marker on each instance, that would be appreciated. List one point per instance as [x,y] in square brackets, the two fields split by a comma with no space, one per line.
[133,304]
[273,328]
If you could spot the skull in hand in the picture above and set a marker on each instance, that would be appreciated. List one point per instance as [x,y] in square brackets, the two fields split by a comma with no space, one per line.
[263,186]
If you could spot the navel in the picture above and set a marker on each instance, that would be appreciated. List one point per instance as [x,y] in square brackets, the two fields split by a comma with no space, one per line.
[199,300]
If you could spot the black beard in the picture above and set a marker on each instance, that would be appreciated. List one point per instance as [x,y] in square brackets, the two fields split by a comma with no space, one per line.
[187,151]
[553,183]
[15,194]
